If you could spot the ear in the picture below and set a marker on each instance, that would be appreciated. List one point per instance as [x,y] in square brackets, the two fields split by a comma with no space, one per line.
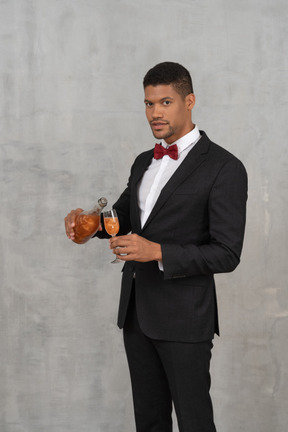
[190,101]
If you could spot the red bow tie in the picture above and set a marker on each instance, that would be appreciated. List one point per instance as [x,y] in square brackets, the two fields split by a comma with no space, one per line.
[160,151]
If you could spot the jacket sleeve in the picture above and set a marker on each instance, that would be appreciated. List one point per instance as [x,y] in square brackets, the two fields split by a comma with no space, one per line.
[122,206]
[226,209]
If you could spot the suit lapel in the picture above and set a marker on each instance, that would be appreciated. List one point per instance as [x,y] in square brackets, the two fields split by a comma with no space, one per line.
[193,160]
[138,176]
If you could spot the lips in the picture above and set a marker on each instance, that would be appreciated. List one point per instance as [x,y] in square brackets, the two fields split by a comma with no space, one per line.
[158,125]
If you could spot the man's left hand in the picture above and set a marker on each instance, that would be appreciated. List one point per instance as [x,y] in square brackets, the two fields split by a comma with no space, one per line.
[135,248]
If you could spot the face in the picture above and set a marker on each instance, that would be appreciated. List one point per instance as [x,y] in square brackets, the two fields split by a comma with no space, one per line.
[168,114]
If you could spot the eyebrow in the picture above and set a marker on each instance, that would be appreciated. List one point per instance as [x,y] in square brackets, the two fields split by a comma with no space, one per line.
[161,100]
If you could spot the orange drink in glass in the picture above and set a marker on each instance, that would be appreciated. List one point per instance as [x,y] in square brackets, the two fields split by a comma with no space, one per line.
[111,223]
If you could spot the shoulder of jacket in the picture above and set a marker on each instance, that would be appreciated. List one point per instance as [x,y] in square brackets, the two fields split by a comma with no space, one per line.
[143,156]
[219,152]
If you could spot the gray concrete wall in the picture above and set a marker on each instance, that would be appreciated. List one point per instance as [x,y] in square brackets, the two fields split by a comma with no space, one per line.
[71,123]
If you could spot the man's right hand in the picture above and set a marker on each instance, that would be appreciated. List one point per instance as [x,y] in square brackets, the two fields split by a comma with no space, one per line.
[70,223]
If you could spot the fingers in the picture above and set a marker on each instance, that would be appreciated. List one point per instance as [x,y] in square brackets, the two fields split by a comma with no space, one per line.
[135,248]
[122,241]
[121,246]
[70,223]
[127,247]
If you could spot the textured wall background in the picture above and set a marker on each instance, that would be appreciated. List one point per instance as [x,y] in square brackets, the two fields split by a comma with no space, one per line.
[71,123]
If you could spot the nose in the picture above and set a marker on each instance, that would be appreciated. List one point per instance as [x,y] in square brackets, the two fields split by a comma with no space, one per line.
[157,112]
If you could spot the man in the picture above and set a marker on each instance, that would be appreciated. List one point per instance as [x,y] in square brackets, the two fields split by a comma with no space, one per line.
[186,212]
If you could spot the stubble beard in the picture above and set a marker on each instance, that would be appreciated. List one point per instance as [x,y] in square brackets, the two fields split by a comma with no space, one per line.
[163,135]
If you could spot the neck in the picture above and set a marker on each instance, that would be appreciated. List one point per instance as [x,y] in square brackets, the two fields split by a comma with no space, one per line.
[169,141]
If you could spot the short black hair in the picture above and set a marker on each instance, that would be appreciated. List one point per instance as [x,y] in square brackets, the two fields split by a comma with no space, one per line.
[170,73]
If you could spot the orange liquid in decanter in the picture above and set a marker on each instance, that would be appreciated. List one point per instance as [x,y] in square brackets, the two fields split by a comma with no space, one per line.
[86,225]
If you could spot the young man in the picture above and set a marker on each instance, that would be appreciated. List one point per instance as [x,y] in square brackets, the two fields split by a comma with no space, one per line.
[185,207]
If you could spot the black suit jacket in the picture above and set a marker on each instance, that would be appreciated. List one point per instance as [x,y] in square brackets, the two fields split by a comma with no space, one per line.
[199,220]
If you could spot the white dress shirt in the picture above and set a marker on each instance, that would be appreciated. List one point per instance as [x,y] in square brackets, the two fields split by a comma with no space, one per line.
[160,171]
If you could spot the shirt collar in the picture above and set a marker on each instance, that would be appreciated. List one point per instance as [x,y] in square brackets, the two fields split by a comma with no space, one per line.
[183,142]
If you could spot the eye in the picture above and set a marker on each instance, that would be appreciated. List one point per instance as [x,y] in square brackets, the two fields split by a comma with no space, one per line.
[166,103]
[148,104]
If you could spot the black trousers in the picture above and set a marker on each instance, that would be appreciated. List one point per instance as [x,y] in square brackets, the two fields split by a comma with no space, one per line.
[162,372]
